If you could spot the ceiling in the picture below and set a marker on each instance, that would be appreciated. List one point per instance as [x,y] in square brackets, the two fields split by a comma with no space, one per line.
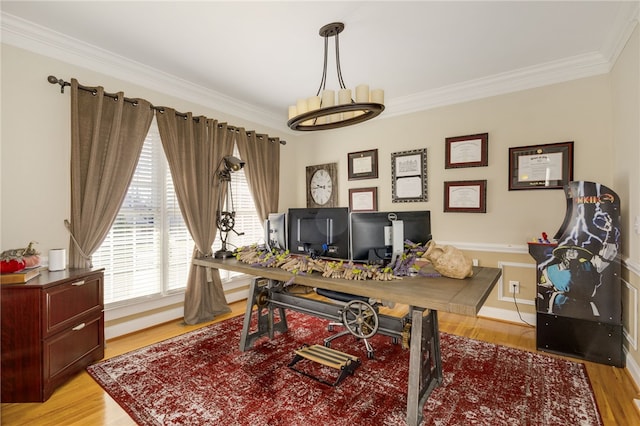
[253,59]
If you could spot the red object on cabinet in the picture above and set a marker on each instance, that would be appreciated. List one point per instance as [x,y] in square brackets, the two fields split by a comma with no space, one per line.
[11,266]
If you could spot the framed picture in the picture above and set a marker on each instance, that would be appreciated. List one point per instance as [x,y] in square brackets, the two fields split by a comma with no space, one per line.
[541,166]
[409,176]
[467,151]
[363,199]
[363,164]
[465,196]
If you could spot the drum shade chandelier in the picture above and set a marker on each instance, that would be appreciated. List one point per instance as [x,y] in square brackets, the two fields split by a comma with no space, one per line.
[322,112]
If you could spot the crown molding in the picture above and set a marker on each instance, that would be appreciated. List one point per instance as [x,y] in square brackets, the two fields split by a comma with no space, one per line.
[44,41]
[41,40]
[626,21]
[560,71]
[573,68]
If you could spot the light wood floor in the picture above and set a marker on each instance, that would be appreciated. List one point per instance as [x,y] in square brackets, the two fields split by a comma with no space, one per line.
[81,401]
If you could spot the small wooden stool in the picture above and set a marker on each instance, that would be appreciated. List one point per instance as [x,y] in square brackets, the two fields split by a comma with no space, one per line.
[329,357]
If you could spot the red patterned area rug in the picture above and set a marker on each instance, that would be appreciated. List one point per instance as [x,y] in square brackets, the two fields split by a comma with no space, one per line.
[202,378]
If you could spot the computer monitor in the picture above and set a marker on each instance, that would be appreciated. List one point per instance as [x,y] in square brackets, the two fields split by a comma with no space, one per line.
[322,232]
[374,239]
[275,231]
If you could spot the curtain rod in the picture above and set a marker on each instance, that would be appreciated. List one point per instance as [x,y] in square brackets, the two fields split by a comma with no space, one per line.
[54,80]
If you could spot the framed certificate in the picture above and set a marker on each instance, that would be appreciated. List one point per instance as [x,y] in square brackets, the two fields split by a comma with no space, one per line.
[362,164]
[467,196]
[541,166]
[409,176]
[363,199]
[467,151]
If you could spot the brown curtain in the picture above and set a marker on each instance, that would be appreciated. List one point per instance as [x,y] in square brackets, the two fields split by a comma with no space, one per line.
[107,134]
[262,169]
[194,149]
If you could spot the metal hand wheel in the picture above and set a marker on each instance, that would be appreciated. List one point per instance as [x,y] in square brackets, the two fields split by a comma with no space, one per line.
[360,319]
[226,221]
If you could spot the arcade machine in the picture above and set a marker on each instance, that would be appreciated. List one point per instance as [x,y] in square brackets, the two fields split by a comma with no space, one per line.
[579,307]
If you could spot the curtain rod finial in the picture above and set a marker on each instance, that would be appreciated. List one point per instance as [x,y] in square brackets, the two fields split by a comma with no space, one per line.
[54,80]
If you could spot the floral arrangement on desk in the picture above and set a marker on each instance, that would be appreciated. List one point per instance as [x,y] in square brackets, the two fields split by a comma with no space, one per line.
[411,262]
[429,260]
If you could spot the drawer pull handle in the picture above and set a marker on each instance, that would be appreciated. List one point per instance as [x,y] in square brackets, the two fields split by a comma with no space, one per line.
[78,283]
[79,327]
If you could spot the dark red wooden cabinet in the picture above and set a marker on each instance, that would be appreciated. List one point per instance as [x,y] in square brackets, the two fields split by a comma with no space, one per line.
[52,328]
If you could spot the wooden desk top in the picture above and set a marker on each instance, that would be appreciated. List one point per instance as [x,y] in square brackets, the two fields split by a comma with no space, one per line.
[464,297]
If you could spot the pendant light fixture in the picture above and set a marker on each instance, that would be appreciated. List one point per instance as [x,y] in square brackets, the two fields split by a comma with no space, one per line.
[322,111]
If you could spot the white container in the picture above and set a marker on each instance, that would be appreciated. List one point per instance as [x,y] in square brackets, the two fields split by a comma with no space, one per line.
[57,259]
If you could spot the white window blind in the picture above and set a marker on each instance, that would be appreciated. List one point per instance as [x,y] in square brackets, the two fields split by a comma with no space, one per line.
[148,250]
[178,242]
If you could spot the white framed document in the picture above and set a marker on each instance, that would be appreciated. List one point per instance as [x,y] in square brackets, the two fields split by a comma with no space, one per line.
[409,176]
[465,196]
[541,166]
[363,199]
[467,151]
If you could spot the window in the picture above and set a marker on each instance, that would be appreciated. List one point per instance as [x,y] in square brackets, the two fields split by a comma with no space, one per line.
[148,250]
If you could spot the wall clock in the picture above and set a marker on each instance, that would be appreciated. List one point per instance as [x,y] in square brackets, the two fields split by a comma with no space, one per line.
[322,185]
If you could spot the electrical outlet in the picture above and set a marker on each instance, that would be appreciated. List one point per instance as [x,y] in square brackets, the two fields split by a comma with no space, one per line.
[475,262]
[514,287]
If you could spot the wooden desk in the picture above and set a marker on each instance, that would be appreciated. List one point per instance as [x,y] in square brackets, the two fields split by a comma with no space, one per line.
[422,294]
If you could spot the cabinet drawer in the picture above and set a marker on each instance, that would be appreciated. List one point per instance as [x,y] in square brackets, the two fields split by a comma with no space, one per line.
[72,350]
[52,328]
[65,304]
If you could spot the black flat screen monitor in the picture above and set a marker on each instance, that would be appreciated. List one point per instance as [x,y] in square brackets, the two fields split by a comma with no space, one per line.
[371,235]
[322,232]
[275,229]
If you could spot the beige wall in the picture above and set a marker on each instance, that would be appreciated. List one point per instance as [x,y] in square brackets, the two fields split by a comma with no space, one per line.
[578,111]
[625,90]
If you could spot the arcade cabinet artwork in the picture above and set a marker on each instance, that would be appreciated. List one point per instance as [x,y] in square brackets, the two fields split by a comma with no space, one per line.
[579,308]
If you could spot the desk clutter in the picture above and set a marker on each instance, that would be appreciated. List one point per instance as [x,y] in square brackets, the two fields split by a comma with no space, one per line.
[408,264]
[429,260]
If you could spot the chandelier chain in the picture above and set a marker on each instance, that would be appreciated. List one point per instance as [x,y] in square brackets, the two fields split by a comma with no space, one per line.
[340,80]
[323,80]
